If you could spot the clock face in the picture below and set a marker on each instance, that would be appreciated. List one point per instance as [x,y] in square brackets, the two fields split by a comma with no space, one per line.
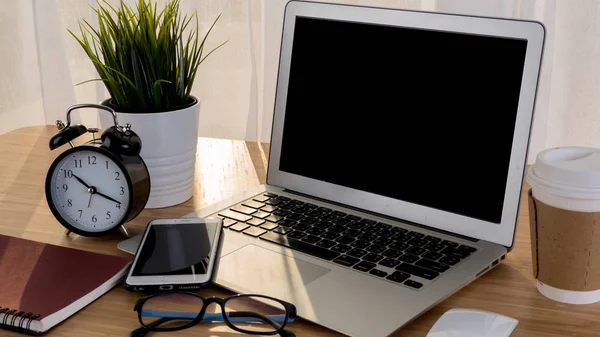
[90,191]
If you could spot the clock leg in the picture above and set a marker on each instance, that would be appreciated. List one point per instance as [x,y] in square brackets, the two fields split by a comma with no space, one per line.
[124,230]
[67,232]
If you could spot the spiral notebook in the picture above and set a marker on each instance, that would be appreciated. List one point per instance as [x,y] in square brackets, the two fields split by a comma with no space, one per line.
[43,284]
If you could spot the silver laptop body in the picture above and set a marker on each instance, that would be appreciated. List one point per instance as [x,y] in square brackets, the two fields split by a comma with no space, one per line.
[410,124]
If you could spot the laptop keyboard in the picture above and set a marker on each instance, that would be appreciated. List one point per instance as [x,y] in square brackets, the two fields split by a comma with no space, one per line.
[349,240]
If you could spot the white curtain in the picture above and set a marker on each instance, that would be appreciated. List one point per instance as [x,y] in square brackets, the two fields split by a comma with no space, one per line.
[40,63]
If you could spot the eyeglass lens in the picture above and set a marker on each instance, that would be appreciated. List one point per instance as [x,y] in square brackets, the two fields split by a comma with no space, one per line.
[170,310]
[255,314]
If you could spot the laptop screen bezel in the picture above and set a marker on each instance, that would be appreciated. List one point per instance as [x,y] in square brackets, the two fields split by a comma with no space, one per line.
[531,31]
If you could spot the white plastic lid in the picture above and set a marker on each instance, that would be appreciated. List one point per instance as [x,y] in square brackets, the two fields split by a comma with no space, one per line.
[572,172]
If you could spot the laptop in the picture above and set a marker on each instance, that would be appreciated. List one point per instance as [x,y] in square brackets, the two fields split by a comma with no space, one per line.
[398,151]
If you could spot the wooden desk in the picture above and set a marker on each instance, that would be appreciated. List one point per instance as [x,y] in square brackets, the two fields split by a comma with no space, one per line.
[224,168]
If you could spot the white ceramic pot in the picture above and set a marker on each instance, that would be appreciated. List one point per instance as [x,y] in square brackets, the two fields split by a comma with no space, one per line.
[169,142]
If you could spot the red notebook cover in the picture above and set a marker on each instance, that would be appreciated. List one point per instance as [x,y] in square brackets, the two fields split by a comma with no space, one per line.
[44,284]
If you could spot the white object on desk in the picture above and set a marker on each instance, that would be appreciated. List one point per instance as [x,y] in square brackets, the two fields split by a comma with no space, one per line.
[472,323]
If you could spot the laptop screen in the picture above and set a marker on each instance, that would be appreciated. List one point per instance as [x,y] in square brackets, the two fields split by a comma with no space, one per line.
[423,116]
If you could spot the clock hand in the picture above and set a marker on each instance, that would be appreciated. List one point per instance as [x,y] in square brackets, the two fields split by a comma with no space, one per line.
[81,181]
[90,202]
[107,197]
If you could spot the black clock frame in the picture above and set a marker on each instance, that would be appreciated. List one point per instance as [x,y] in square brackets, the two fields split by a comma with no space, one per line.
[138,181]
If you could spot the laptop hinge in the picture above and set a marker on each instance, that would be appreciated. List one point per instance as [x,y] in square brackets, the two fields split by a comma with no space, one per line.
[410,223]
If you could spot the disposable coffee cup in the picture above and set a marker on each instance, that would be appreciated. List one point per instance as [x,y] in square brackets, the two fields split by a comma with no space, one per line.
[564,213]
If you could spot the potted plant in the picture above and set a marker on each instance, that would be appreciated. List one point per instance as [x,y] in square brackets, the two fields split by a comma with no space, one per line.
[148,64]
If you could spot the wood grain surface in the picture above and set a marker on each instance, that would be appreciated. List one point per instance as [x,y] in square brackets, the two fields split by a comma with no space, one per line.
[223,168]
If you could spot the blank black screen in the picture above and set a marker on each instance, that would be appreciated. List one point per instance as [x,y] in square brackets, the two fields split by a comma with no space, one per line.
[176,249]
[422,116]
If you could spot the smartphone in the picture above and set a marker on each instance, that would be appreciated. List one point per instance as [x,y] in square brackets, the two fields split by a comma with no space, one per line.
[176,254]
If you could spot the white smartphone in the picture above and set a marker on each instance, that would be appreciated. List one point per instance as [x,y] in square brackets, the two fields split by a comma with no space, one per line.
[176,254]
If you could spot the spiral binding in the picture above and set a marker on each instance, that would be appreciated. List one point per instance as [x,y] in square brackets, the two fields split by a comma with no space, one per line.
[19,321]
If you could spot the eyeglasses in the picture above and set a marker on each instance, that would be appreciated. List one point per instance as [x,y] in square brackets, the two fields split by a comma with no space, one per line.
[250,314]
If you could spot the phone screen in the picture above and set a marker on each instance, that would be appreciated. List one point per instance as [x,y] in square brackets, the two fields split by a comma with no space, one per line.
[176,249]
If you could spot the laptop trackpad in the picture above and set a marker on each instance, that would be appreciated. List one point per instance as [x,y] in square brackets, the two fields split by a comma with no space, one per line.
[259,270]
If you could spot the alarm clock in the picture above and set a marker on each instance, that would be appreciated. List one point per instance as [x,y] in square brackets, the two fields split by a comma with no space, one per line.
[94,188]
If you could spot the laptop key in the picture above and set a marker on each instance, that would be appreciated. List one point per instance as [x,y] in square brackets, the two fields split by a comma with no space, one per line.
[328,217]
[461,254]
[344,239]
[281,212]
[372,257]
[434,247]
[311,206]
[268,226]
[417,242]
[255,221]
[271,195]
[238,227]
[346,260]
[282,230]
[367,237]
[301,227]
[383,226]
[432,239]
[398,245]
[386,233]
[378,273]
[273,218]
[449,260]
[355,225]
[261,214]
[268,208]
[273,202]
[365,266]
[416,235]
[376,249]
[392,253]
[299,245]
[382,241]
[287,222]
[417,271]
[368,222]
[467,248]
[235,215]
[450,243]
[371,229]
[432,255]
[337,229]
[261,198]
[287,206]
[353,217]
[352,232]
[295,216]
[340,248]
[322,224]
[253,204]
[341,221]
[326,243]
[243,209]
[360,244]
[330,235]
[301,209]
[390,263]
[254,231]
[416,250]
[338,213]
[413,284]
[398,276]
[283,198]
[315,231]
[401,238]
[399,230]
[309,220]
[357,252]
[408,258]
[311,239]
[432,265]
[296,235]
[228,222]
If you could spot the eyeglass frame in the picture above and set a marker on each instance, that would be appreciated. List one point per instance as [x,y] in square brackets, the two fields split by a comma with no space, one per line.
[290,313]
